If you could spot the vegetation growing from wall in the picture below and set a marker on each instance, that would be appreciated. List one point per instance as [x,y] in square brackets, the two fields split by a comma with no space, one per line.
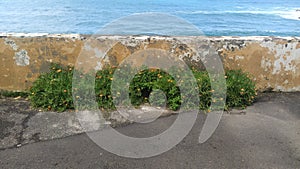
[16,94]
[53,90]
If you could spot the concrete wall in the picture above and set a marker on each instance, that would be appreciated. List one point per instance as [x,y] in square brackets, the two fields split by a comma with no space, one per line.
[274,62]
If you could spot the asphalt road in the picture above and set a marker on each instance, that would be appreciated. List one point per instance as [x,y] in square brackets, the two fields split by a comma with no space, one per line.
[267,136]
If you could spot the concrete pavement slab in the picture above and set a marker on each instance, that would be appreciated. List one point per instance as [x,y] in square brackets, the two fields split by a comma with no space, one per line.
[267,135]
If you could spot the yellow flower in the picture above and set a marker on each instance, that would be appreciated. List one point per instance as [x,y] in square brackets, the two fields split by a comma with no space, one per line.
[59,70]
[242,89]
[65,91]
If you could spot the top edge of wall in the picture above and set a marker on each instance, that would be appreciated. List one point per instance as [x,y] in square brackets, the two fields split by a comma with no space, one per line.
[82,36]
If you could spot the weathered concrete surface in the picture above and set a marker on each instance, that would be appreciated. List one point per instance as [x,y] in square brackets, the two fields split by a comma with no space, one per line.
[14,115]
[20,124]
[267,136]
[23,59]
[51,125]
[273,62]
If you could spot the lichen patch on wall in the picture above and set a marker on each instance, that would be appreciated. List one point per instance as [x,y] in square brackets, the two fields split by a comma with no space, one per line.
[11,43]
[21,58]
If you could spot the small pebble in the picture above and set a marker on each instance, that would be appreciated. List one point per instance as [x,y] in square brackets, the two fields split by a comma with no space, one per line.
[107,122]
[16,98]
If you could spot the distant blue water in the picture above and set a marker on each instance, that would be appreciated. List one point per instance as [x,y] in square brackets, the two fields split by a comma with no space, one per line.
[213,17]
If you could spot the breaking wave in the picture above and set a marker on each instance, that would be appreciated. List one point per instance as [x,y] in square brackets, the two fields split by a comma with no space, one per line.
[293,14]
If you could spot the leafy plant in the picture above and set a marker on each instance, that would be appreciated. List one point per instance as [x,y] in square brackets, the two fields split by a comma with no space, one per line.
[241,90]
[52,90]
[6,93]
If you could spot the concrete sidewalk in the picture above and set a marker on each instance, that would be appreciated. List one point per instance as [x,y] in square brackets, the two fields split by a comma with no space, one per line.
[21,124]
[266,136]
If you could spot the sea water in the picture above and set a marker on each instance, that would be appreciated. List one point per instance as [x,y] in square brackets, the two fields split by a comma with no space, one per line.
[212,17]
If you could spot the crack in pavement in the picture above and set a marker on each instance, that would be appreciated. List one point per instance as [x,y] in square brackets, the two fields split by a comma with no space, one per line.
[14,116]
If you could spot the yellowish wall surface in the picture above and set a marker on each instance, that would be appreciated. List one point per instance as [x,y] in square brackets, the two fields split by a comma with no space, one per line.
[273,62]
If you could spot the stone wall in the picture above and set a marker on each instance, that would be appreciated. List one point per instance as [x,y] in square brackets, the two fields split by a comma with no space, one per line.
[273,62]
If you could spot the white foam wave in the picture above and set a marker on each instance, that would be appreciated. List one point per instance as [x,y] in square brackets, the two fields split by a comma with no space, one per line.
[295,15]
[287,14]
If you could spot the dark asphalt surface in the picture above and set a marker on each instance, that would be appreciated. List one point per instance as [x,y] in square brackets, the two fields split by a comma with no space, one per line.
[267,136]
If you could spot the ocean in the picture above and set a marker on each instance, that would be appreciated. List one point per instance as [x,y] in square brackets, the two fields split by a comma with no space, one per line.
[212,17]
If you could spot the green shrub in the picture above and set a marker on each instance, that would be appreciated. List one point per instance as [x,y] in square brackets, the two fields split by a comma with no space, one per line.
[205,91]
[148,81]
[52,90]
[6,93]
[102,88]
[241,90]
